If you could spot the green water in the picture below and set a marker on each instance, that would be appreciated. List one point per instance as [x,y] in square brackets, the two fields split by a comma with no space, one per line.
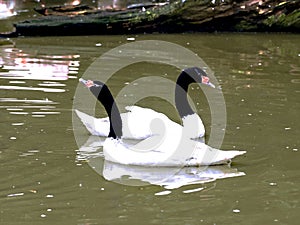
[43,180]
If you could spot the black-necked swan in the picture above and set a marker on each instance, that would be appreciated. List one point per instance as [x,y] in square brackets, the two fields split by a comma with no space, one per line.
[137,121]
[173,148]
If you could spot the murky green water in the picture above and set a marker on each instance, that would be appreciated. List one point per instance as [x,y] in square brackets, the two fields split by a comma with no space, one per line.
[45,181]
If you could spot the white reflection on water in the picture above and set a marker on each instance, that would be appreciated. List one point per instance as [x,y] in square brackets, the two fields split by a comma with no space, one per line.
[16,64]
[33,72]
[46,101]
[17,124]
[22,107]
[168,177]
[19,113]
[7,8]
[51,84]
[3,87]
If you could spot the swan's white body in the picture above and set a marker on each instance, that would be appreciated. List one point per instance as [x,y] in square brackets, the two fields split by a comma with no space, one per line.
[167,152]
[138,123]
[173,148]
[168,177]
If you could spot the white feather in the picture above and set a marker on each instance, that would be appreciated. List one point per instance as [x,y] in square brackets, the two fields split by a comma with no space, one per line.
[138,123]
[173,148]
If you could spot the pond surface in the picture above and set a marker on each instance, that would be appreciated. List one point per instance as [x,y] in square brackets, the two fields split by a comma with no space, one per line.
[51,176]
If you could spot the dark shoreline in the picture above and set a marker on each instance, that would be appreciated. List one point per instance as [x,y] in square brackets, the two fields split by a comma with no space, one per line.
[177,17]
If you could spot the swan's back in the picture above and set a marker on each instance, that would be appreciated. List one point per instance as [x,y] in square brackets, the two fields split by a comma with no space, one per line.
[138,123]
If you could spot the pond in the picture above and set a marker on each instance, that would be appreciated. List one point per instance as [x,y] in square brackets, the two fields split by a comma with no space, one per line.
[52,171]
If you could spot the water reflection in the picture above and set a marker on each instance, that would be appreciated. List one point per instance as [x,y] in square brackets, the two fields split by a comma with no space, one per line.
[16,64]
[32,72]
[28,106]
[7,8]
[167,177]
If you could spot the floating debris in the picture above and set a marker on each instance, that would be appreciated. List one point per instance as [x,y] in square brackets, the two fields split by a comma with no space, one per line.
[131,39]
[163,193]
[192,190]
[18,113]
[17,124]
[15,194]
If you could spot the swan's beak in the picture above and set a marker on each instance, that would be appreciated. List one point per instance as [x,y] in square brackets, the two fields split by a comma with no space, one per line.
[211,85]
[83,81]
[88,83]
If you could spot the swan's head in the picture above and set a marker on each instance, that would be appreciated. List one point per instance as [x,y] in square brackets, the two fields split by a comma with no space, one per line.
[196,75]
[96,87]
[90,83]
[103,94]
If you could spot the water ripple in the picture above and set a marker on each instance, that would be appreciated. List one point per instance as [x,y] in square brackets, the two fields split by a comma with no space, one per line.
[3,87]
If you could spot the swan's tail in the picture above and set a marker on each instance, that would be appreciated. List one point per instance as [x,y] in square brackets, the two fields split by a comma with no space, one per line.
[223,157]
[98,127]
[205,155]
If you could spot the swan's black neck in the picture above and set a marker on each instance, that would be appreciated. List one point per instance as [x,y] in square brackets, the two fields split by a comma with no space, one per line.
[104,95]
[186,77]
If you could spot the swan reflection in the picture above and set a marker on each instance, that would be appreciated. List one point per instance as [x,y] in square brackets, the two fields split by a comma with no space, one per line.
[167,177]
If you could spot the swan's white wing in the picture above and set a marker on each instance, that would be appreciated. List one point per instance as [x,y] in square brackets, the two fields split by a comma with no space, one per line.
[193,122]
[194,125]
[138,123]
[141,123]
[98,127]
[135,124]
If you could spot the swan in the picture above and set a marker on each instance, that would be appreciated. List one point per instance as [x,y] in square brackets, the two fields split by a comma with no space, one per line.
[173,147]
[167,177]
[137,120]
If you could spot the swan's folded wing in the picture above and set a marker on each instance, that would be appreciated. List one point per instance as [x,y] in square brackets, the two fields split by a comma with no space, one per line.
[142,122]
[99,127]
